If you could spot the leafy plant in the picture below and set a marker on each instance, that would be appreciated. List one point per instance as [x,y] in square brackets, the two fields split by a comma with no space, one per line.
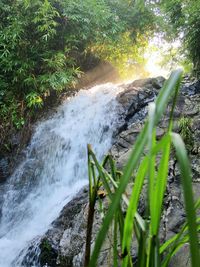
[141,167]
[34,100]
[182,19]
[185,130]
[44,43]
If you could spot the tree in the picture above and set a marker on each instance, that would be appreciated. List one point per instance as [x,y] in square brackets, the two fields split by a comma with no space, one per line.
[44,42]
[183,19]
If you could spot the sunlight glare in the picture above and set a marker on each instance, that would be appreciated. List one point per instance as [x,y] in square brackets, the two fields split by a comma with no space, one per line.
[157,63]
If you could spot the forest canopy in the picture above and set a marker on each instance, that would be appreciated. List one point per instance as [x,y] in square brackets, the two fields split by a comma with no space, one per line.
[182,20]
[45,44]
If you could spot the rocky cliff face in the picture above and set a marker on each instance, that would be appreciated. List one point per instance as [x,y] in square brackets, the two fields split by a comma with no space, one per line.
[63,245]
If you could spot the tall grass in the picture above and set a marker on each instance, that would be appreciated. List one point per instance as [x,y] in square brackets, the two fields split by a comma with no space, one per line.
[140,167]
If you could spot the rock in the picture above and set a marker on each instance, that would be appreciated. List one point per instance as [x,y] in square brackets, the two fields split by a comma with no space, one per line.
[4,169]
[191,89]
[68,232]
[48,255]
[138,94]
[15,140]
[159,132]
[123,159]
[67,235]
[191,112]
[182,258]
[156,83]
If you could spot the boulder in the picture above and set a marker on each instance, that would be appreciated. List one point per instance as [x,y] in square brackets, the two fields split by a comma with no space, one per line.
[66,238]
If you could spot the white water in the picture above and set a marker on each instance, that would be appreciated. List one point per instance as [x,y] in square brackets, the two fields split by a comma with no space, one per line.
[55,167]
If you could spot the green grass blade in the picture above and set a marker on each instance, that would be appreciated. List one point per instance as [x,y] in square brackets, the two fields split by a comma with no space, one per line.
[136,153]
[113,167]
[139,146]
[132,208]
[160,187]
[115,241]
[90,176]
[140,221]
[93,187]
[172,243]
[142,255]
[152,158]
[151,179]
[171,86]
[188,197]
[101,172]
[155,260]
[139,225]
[120,223]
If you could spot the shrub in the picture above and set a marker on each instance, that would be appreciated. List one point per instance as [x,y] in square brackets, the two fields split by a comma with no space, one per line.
[44,42]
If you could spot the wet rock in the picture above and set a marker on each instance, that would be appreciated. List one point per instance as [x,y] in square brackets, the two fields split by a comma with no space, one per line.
[138,94]
[123,159]
[191,112]
[192,89]
[182,258]
[159,132]
[68,231]
[156,83]
[15,140]
[4,169]
[48,255]
[68,234]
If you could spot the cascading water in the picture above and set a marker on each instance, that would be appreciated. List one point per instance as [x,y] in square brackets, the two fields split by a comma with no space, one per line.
[55,167]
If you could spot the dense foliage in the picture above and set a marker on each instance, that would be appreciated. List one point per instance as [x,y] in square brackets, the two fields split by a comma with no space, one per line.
[43,44]
[182,20]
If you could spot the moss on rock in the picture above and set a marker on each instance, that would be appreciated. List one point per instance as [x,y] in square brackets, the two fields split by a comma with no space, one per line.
[48,254]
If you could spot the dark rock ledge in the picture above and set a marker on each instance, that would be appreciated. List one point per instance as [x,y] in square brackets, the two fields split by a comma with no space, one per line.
[63,245]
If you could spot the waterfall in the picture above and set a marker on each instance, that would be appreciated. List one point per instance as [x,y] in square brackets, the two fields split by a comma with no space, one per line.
[55,167]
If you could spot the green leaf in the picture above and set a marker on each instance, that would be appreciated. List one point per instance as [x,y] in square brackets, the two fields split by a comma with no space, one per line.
[170,87]
[186,182]
[132,208]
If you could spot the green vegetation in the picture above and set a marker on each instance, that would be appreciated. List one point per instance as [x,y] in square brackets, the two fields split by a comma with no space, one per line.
[44,47]
[44,44]
[141,167]
[48,255]
[185,130]
[181,19]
